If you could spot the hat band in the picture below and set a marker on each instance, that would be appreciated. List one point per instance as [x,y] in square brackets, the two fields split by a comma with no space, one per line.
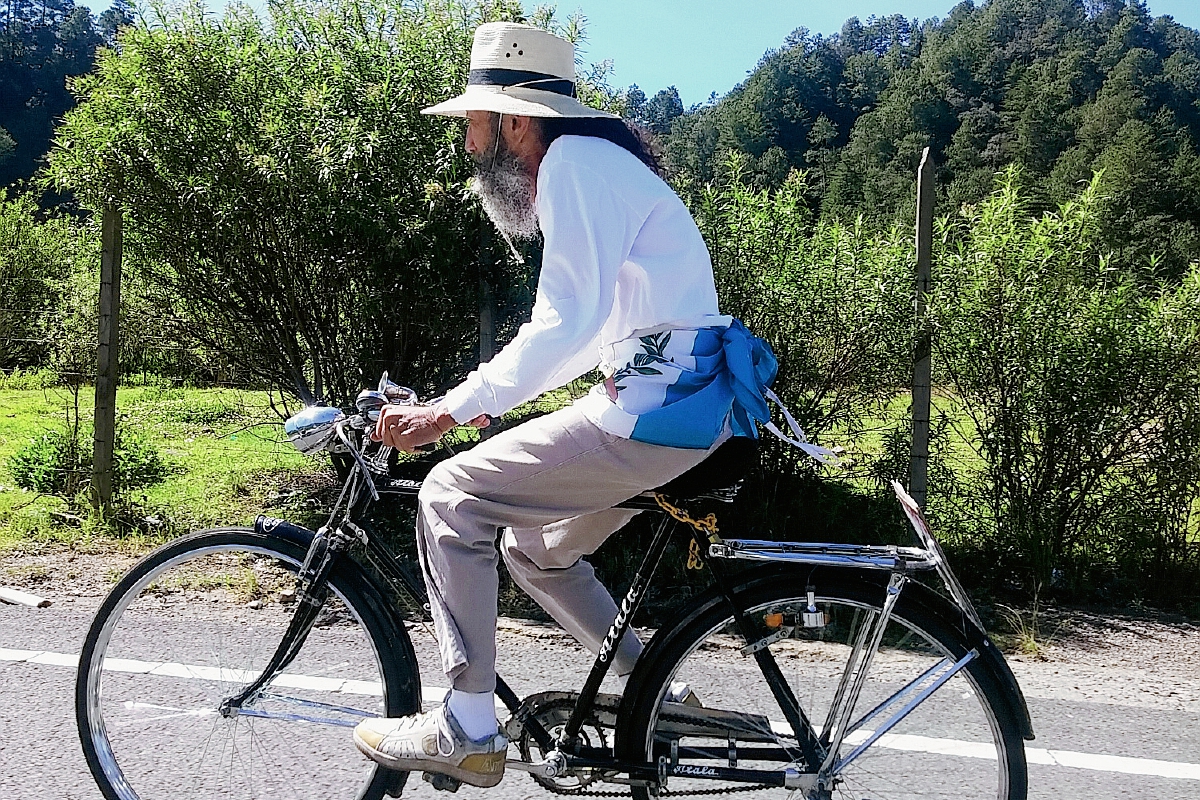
[524,78]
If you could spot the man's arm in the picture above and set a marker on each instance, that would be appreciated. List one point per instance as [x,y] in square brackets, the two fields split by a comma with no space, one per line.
[588,234]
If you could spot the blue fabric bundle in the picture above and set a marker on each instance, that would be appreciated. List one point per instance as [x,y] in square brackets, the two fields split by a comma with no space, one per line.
[733,370]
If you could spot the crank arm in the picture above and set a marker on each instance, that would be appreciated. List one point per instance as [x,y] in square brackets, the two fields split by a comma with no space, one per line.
[550,767]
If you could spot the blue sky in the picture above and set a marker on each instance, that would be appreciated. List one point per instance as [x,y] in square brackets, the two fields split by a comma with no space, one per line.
[704,46]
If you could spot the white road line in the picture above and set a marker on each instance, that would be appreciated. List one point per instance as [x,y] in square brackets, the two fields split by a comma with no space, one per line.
[433,695]
[1123,764]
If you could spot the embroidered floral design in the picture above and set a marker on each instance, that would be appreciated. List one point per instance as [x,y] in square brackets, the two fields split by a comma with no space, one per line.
[653,347]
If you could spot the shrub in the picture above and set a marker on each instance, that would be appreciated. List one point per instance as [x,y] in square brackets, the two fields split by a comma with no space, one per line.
[53,463]
[29,379]
[136,463]
[59,462]
[1081,388]
[833,300]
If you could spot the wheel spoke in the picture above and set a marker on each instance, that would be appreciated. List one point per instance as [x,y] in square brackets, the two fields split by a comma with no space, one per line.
[181,635]
[932,731]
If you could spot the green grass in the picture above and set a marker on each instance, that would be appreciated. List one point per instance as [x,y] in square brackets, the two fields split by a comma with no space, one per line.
[225,448]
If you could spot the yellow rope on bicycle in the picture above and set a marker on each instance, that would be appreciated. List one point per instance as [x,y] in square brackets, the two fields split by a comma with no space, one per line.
[707,525]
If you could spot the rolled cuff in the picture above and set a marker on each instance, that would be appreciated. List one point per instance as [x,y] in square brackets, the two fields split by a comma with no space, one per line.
[461,404]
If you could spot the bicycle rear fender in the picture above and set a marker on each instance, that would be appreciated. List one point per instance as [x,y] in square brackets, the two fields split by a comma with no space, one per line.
[937,604]
[916,596]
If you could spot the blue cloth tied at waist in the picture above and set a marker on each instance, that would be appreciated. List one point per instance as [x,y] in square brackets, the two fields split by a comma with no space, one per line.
[733,370]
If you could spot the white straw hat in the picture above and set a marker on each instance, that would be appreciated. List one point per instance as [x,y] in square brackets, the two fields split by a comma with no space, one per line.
[522,70]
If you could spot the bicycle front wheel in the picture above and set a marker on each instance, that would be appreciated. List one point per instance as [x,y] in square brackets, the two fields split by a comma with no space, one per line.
[195,622]
[963,742]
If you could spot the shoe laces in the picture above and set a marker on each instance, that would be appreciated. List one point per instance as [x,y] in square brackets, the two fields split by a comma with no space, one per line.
[444,733]
[443,736]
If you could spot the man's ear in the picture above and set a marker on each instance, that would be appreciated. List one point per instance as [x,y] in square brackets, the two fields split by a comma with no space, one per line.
[523,135]
[519,129]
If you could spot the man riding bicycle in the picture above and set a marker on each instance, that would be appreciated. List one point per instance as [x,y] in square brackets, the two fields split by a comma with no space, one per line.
[626,285]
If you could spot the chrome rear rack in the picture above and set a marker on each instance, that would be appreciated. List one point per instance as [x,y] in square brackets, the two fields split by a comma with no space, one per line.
[891,558]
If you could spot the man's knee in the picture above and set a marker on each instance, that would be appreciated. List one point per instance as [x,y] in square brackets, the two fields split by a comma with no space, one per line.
[526,555]
[439,488]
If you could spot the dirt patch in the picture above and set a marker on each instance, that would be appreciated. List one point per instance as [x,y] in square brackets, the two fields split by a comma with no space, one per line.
[63,575]
[1145,660]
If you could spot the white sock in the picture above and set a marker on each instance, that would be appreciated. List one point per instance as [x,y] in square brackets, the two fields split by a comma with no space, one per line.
[475,713]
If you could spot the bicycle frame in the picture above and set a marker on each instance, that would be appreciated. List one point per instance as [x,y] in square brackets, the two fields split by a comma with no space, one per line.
[820,749]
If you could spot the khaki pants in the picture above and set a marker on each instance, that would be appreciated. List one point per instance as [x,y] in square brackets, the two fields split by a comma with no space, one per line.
[551,483]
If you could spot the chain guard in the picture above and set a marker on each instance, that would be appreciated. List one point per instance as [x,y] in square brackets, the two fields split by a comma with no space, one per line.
[553,709]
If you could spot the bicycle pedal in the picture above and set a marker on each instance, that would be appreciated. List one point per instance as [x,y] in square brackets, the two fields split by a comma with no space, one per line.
[395,786]
[443,783]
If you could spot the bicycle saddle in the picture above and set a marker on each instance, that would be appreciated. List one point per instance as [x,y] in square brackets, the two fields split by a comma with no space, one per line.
[728,464]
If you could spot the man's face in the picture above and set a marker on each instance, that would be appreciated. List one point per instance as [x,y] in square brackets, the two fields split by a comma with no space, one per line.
[481,132]
[503,182]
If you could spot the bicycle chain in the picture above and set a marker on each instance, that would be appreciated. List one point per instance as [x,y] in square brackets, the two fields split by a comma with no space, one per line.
[662,793]
[756,787]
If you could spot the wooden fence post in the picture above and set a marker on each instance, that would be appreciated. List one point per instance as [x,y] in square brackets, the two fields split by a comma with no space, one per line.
[919,465]
[107,368]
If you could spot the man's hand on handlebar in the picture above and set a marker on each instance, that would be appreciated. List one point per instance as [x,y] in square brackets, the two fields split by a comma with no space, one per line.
[409,427]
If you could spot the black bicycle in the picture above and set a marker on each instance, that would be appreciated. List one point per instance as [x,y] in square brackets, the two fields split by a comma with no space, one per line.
[233,662]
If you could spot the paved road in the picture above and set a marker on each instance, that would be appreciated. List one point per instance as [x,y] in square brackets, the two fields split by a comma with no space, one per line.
[40,757]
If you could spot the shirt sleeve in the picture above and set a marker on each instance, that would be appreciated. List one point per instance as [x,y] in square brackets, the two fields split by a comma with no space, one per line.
[588,232]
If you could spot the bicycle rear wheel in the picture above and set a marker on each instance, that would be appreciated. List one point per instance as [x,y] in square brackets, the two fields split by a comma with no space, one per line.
[193,623]
[964,742]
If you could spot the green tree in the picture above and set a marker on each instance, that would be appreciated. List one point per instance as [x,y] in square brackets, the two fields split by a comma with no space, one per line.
[7,146]
[282,192]
[118,15]
[657,113]
[1060,88]
[284,196]
[41,44]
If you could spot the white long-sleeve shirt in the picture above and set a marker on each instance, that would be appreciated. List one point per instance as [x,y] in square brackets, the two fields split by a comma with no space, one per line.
[622,257]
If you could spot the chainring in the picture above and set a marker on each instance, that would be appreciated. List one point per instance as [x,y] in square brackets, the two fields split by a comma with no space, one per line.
[552,713]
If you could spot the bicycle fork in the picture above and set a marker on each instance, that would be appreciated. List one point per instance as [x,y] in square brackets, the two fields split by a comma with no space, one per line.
[311,594]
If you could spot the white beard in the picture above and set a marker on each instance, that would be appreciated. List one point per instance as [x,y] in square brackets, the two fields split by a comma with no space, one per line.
[505,188]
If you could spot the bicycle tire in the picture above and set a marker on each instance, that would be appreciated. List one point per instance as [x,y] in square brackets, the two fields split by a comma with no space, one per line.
[144,697]
[941,750]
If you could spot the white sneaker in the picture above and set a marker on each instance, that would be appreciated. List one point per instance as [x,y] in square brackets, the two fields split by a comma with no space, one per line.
[432,742]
